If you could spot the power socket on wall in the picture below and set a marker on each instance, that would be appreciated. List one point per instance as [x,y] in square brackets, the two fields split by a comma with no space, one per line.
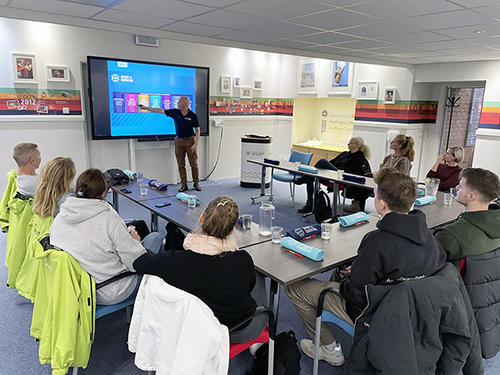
[217,123]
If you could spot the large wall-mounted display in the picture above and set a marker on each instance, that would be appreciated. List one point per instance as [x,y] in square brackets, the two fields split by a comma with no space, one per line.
[118,86]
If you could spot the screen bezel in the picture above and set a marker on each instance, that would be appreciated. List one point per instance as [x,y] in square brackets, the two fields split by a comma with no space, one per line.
[147,137]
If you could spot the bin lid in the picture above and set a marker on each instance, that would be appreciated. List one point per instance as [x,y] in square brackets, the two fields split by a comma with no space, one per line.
[253,138]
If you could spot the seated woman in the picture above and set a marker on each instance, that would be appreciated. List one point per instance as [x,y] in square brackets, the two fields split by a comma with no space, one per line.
[403,154]
[53,186]
[446,168]
[211,266]
[89,229]
[353,161]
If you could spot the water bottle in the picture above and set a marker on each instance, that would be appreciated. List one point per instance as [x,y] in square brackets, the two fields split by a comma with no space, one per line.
[266,216]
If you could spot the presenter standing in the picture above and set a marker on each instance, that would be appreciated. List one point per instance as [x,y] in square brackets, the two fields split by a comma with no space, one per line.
[186,139]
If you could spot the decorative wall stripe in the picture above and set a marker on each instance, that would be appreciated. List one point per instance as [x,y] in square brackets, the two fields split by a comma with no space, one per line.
[28,101]
[404,111]
[490,115]
[232,106]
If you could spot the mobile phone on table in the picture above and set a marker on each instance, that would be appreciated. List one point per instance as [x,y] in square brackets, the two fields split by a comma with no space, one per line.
[162,204]
[126,191]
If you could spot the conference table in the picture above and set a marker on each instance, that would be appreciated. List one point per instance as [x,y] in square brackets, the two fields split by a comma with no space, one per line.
[439,214]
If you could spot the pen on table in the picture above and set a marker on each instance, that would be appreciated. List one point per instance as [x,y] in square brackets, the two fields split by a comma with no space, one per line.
[294,253]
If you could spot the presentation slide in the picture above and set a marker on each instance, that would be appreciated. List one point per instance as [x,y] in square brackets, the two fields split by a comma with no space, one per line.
[158,86]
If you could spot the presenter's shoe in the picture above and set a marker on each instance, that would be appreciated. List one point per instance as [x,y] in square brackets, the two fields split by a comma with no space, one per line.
[333,356]
[307,209]
[197,187]
[183,188]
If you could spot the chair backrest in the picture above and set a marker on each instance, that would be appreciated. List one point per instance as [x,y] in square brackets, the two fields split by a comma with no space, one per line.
[303,157]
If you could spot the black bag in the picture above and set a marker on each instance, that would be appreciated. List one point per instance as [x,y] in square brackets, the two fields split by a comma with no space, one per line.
[322,208]
[174,239]
[286,356]
[115,176]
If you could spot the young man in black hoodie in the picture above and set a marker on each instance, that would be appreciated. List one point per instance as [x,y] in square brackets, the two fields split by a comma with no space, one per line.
[402,248]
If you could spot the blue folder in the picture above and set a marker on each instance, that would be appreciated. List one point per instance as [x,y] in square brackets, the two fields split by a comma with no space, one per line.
[425,200]
[349,220]
[304,232]
[303,249]
[307,168]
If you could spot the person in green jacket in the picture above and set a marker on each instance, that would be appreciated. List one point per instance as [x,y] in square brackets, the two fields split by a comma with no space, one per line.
[477,230]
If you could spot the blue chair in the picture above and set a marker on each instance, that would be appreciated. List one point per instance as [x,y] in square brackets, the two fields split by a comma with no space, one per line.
[303,158]
[343,331]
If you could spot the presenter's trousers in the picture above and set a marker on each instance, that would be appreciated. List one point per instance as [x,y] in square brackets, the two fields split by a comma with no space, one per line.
[183,147]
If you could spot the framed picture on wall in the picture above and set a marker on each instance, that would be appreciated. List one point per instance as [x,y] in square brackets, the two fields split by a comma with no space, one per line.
[257,84]
[58,73]
[245,92]
[390,95]
[307,77]
[341,74]
[225,84]
[236,81]
[367,91]
[24,68]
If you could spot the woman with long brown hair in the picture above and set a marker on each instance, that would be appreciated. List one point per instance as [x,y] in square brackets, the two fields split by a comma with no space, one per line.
[403,154]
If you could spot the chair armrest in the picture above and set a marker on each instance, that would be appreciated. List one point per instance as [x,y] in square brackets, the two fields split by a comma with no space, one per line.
[321,300]
[258,311]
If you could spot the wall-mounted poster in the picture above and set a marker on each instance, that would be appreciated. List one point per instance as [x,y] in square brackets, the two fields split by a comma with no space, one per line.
[245,92]
[341,74]
[257,84]
[367,91]
[225,84]
[390,95]
[307,77]
[57,73]
[24,67]
[236,81]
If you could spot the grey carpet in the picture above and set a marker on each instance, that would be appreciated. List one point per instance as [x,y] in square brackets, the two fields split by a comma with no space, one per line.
[110,356]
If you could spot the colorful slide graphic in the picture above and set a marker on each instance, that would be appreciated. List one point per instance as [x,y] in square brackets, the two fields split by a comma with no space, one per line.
[158,86]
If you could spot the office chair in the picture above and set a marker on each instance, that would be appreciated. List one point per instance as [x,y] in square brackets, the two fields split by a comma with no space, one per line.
[303,158]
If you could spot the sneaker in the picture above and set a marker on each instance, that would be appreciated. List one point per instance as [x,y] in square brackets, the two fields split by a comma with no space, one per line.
[183,188]
[306,209]
[197,187]
[254,347]
[353,207]
[333,357]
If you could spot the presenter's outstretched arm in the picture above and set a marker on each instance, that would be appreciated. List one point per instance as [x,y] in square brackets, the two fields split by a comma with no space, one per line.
[152,109]
[196,139]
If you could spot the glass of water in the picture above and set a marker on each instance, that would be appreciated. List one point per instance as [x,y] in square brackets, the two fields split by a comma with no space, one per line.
[276,234]
[447,199]
[143,189]
[191,201]
[246,221]
[140,177]
[326,230]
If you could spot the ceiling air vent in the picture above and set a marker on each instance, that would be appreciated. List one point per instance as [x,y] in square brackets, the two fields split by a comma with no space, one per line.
[146,40]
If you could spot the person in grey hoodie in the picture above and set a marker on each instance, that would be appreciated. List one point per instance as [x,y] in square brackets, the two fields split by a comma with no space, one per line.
[89,229]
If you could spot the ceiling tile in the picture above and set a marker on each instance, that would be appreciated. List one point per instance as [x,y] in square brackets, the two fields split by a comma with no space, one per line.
[343,3]
[398,50]
[446,20]
[224,18]
[287,43]
[194,29]
[57,7]
[490,29]
[391,9]
[474,3]
[325,38]
[334,19]
[214,3]
[418,37]
[447,44]
[166,8]
[278,9]
[280,29]
[330,50]
[466,51]
[363,44]
[241,36]
[126,18]
[99,3]
[3,2]
[491,11]
[377,30]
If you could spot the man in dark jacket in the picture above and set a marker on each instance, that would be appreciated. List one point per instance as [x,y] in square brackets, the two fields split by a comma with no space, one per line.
[402,248]
[474,240]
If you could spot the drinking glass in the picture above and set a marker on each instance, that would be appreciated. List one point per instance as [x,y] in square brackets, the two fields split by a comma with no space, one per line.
[326,230]
[276,235]
[143,189]
[140,177]
[448,199]
[246,221]
[191,201]
[453,192]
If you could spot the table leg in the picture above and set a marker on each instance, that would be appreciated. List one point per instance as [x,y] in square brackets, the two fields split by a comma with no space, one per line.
[154,222]
[115,201]
[262,185]
[335,198]
[274,300]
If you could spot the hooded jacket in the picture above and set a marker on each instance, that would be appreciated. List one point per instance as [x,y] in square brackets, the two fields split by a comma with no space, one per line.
[95,235]
[402,248]
[10,191]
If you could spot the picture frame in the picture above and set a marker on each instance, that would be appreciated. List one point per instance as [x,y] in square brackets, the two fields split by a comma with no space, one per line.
[367,91]
[24,68]
[390,95]
[257,84]
[246,92]
[225,84]
[236,82]
[341,78]
[307,77]
[58,73]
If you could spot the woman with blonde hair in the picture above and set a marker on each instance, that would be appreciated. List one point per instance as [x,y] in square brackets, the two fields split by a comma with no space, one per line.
[53,186]
[446,168]
[211,266]
[403,154]
[353,161]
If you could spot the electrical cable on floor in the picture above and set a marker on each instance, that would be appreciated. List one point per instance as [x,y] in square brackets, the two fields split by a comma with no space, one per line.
[218,154]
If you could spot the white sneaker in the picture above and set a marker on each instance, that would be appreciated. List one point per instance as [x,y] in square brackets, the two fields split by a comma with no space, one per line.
[333,357]
[254,347]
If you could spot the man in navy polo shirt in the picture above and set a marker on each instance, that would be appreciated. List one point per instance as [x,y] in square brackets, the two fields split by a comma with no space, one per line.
[186,140]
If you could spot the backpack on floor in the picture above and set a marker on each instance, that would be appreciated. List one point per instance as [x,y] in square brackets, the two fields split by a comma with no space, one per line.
[322,209]
[286,356]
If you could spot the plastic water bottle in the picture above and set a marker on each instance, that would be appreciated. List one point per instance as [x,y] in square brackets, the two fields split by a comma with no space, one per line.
[266,216]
